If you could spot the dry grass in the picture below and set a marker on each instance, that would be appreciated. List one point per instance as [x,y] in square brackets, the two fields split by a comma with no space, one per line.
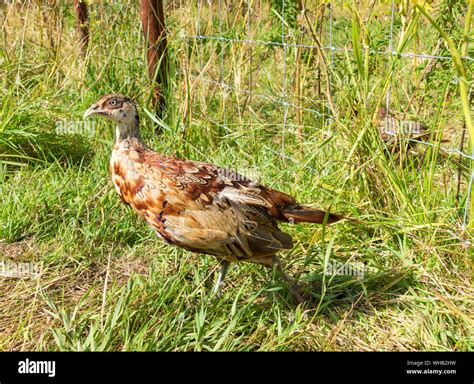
[108,283]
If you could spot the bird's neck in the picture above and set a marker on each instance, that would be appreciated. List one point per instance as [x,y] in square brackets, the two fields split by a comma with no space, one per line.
[127,130]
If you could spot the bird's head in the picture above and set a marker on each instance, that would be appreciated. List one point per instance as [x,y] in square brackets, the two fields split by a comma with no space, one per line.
[121,110]
[117,108]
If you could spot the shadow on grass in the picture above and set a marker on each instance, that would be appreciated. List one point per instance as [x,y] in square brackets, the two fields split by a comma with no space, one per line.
[322,293]
[44,148]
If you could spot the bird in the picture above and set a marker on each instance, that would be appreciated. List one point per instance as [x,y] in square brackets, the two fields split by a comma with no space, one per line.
[394,129]
[199,206]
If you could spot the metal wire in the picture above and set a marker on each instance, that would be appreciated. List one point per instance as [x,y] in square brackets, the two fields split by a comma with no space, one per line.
[331,64]
[328,48]
[468,197]
[390,49]
[282,100]
[198,28]
[249,31]
[260,96]
[283,90]
[224,100]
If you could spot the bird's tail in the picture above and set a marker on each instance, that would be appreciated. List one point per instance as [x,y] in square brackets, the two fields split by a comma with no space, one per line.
[302,214]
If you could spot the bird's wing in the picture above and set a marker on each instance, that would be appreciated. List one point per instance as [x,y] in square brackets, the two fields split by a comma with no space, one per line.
[213,210]
[206,182]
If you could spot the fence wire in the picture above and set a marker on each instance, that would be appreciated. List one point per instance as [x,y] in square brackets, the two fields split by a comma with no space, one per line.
[333,50]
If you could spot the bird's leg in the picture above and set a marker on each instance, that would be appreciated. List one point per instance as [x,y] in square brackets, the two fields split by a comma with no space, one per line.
[422,160]
[293,288]
[220,279]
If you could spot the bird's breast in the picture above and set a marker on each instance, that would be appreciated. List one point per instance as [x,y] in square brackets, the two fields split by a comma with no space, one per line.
[143,187]
[130,179]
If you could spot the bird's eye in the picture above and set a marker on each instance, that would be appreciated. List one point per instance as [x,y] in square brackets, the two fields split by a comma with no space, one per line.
[113,102]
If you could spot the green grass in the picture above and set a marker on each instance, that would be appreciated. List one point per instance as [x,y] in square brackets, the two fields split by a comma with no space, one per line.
[108,283]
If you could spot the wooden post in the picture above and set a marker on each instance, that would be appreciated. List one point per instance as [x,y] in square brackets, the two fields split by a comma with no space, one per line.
[153,22]
[82,22]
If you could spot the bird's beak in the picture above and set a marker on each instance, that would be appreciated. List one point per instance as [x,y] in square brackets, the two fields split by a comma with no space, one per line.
[92,110]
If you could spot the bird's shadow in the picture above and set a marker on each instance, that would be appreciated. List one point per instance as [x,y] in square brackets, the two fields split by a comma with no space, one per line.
[321,294]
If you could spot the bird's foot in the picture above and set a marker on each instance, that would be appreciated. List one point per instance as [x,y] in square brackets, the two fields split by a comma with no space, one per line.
[295,292]
[216,291]
[292,286]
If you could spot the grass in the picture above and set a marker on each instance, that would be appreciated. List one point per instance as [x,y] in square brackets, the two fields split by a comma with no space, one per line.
[107,282]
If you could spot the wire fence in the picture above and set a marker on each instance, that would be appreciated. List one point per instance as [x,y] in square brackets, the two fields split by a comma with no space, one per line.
[286,42]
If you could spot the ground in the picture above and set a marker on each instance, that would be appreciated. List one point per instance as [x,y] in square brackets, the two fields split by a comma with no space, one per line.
[108,283]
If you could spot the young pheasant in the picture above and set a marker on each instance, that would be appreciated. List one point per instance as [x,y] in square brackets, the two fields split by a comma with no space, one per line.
[394,129]
[199,206]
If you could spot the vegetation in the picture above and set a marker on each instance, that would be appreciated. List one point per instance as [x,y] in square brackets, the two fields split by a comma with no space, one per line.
[108,283]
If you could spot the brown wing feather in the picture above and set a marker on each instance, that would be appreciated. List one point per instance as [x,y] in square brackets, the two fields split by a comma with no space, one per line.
[201,207]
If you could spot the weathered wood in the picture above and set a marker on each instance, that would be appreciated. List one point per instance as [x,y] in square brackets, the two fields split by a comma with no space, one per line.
[153,22]
[82,22]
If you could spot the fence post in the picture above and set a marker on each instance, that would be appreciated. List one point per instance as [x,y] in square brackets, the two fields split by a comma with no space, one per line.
[153,22]
[82,22]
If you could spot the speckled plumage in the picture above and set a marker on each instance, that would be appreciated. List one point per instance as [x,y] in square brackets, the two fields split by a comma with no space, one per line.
[201,207]
[198,206]
[395,129]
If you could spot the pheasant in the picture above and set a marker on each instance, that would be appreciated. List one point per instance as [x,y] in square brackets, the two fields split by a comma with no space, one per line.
[393,129]
[198,206]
